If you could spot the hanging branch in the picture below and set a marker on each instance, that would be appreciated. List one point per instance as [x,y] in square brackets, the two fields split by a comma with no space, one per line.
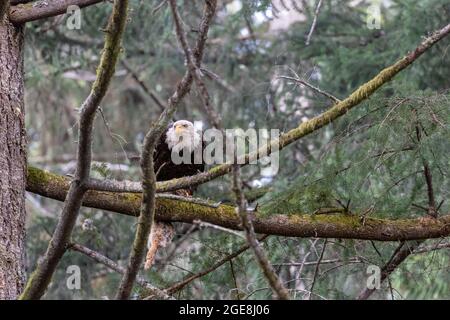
[99,258]
[313,26]
[316,270]
[194,64]
[144,87]
[247,224]
[147,210]
[41,277]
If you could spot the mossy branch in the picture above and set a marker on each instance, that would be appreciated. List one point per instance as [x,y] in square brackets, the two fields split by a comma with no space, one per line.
[54,186]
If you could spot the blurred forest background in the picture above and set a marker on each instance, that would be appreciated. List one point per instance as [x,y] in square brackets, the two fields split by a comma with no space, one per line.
[370,158]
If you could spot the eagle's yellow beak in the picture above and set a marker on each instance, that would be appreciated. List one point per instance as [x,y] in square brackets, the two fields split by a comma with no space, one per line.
[179,129]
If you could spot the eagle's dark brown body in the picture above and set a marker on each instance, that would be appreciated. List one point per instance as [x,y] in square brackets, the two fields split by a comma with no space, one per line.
[166,169]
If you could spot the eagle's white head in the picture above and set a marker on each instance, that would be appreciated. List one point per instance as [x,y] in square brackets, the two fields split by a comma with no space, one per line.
[182,135]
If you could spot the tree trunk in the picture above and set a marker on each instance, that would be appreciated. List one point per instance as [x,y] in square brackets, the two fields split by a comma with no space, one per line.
[12,162]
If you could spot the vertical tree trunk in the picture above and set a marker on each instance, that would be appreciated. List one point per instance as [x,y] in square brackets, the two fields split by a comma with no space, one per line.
[12,162]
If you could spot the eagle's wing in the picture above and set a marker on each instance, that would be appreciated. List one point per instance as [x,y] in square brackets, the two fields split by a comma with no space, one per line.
[161,154]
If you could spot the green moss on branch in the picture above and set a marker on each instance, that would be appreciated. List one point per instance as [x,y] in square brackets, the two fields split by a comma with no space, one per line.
[299,224]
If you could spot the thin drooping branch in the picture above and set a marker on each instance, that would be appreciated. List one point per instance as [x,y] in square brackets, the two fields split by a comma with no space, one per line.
[99,258]
[426,249]
[313,25]
[303,225]
[41,277]
[194,64]
[45,9]
[161,105]
[316,270]
[314,88]
[305,128]
[180,285]
[147,209]
[247,224]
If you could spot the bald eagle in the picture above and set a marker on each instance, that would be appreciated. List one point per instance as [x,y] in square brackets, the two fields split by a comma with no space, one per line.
[179,138]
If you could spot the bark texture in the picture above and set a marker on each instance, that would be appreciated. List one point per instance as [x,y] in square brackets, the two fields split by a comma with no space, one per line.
[12,162]
[347,226]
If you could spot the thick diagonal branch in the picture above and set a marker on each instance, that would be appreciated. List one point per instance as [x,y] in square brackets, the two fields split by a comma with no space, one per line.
[41,277]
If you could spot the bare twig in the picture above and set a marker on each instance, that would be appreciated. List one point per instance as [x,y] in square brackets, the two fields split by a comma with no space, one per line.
[98,257]
[316,271]
[306,84]
[222,82]
[144,87]
[268,270]
[180,285]
[41,277]
[147,210]
[213,226]
[194,64]
[313,25]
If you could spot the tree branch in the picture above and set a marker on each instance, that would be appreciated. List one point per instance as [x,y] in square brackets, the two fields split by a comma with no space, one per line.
[180,285]
[55,186]
[306,84]
[161,105]
[99,258]
[23,13]
[313,25]
[41,277]
[247,224]
[194,64]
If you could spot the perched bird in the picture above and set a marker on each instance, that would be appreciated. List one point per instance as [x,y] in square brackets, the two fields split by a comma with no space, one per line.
[180,137]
